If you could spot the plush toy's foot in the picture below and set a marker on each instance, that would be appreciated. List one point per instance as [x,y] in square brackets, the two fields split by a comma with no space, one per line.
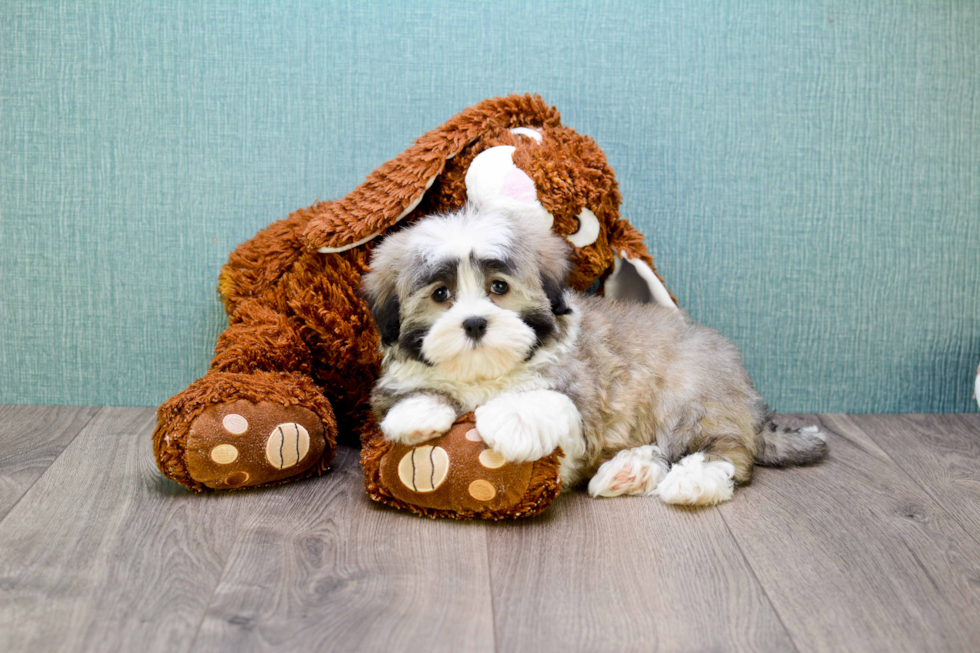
[457,476]
[241,444]
[229,431]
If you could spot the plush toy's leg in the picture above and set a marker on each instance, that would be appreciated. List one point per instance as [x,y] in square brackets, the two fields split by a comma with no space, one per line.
[256,418]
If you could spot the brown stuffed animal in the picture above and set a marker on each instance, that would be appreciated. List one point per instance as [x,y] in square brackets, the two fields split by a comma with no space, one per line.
[296,364]
[456,475]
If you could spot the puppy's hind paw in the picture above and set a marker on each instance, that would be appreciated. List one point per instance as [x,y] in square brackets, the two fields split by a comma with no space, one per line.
[635,471]
[692,481]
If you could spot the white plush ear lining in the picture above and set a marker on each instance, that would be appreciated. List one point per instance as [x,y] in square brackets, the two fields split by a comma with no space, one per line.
[976,387]
[633,280]
[527,131]
[344,248]
[588,229]
[494,183]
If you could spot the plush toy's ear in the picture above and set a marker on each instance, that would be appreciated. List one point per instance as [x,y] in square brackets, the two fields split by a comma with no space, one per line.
[392,191]
[495,184]
[634,277]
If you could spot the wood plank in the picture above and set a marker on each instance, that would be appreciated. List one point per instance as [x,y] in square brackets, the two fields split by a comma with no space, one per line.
[321,567]
[940,452]
[854,555]
[103,553]
[31,437]
[629,573]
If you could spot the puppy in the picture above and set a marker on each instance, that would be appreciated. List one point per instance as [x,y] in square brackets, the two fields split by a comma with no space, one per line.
[473,314]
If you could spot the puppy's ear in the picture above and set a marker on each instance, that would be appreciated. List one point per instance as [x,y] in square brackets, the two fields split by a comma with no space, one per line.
[555,291]
[387,317]
[552,254]
[379,287]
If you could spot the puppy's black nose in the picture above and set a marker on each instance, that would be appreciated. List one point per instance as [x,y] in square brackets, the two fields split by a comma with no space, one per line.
[475,327]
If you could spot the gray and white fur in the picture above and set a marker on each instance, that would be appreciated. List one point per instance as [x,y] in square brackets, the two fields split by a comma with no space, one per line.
[474,315]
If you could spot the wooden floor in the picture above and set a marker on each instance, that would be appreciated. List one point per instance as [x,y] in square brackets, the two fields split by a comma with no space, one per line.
[877,549]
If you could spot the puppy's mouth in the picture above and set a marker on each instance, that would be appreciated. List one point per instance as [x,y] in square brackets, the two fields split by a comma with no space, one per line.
[478,347]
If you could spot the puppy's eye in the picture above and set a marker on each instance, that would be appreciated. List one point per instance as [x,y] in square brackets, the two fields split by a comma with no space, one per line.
[440,294]
[499,287]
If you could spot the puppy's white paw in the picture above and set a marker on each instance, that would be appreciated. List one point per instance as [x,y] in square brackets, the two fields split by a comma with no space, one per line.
[815,432]
[417,419]
[525,426]
[632,471]
[694,482]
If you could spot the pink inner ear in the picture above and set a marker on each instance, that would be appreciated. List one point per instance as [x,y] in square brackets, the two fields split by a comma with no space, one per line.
[518,186]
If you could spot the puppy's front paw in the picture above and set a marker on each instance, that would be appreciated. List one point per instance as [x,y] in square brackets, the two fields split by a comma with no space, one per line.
[417,419]
[526,426]
[692,481]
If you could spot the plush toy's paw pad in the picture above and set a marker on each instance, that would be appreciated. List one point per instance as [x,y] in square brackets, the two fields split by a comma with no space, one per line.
[455,472]
[423,469]
[692,481]
[633,471]
[241,444]
[287,446]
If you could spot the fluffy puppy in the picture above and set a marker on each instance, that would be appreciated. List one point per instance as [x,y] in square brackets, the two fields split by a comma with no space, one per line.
[474,314]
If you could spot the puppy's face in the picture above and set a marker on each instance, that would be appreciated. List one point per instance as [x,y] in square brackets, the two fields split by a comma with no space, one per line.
[472,294]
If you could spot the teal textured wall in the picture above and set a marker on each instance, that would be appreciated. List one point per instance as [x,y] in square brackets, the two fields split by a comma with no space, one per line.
[807,174]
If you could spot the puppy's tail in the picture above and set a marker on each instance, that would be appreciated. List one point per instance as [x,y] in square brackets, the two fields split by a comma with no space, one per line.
[780,446]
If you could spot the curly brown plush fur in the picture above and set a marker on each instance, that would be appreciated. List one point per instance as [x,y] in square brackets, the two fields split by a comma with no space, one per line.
[300,334]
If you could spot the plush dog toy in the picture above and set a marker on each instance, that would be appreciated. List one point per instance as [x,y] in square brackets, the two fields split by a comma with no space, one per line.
[299,357]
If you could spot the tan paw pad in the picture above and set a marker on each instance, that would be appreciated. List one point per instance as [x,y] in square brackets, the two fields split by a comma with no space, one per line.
[491,459]
[235,423]
[287,445]
[224,454]
[482,490]
[424,468]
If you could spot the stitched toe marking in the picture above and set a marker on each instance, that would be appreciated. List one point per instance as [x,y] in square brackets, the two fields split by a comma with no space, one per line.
[224,454]
[235,423]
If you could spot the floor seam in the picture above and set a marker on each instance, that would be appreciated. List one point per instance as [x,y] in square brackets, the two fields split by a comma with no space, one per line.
[493,598]
[762,587]
[214,591]
[51,464]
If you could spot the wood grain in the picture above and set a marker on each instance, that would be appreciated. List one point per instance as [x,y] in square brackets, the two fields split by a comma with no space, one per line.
[320,567]
[103,553]
[855,555]
[940,452]
[31,437]
[626,574]
[870,550]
